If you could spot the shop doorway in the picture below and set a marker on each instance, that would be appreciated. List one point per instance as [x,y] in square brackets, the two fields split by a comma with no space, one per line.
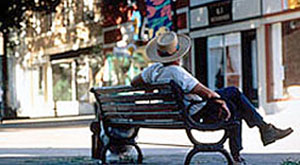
[228,60]
[64,87]
[249,63]
[200,48]
[62,81]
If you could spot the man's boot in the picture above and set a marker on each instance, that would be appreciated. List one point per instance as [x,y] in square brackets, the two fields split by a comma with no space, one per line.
[238,160]
[269,134]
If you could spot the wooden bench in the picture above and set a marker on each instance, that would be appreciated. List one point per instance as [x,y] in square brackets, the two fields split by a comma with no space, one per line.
[158,105]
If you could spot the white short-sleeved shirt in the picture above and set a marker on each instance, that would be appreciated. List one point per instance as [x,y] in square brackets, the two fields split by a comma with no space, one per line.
[157,72]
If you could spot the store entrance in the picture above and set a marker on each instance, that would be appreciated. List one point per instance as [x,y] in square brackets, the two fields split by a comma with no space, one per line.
[64,87]
[249,65]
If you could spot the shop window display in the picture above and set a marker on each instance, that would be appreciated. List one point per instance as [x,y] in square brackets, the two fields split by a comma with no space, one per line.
[283,60]
[291,57]
[233,66]
[224,61]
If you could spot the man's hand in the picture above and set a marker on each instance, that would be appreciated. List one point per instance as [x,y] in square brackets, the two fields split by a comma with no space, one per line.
[224,107]
[207,93]
[137,81]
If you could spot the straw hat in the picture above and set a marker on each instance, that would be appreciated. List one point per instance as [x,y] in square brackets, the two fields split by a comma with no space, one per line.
[168,47]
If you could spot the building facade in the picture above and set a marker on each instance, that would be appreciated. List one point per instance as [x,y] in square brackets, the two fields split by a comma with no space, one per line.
[55,60]
[57,57]
[250,45]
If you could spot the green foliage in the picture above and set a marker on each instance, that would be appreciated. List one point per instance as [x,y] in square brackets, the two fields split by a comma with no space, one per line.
[11,11]
[289,161]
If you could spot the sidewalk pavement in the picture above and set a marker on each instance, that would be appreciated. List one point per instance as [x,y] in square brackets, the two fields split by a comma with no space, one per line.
[152,156]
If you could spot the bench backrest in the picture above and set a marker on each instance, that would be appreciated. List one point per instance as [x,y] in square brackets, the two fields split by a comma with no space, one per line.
[155,106]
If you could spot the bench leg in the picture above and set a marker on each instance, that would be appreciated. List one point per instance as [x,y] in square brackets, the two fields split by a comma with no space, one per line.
[195,150]
[96,147]
[138,149]
[227,156]
[103,153]
[96,141]
[190,155]
[140,155]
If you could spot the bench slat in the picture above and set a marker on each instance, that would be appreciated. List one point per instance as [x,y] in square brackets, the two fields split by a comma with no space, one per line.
[118,89]
[139,107]
[175,124]
[151,117]
[130,98]
[141,113]
[144,115]
[145,110]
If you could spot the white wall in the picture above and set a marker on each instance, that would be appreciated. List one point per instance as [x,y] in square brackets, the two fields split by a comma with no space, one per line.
[31,103]
[278,71]
[23,91]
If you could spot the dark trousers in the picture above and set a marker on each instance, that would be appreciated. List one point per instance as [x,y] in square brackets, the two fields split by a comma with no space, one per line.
[240,108]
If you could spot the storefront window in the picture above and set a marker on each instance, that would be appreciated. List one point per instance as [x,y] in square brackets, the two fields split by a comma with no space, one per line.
[73,77]
[233,66]
[224,61]
[121,66]
[283,60]
[118,70]
[215,61]
[216,68]
[291,57]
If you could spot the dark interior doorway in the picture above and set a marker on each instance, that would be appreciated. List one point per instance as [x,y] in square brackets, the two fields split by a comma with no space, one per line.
[201,59]
[249,63]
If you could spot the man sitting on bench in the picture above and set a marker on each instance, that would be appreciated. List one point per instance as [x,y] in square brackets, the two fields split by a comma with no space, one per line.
[167,50]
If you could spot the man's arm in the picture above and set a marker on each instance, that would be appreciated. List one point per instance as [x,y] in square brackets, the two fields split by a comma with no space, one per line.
[207,93]
[137,81]
[204,92]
